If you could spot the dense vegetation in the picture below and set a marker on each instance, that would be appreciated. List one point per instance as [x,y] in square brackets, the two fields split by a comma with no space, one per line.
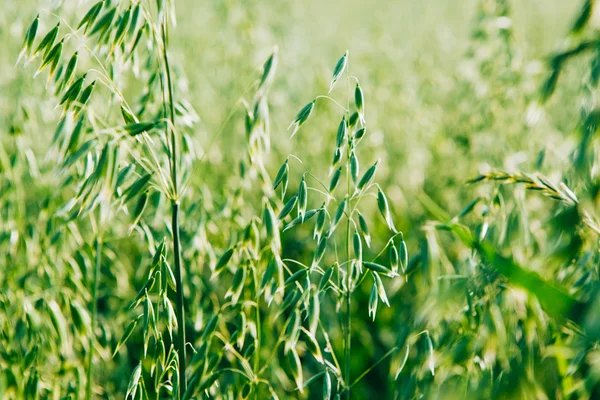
[426,227]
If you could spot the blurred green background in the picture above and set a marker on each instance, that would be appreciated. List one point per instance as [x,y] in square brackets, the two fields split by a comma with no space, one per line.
[418,62]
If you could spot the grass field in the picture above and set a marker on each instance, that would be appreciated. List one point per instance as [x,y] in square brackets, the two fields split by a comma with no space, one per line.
[389,199]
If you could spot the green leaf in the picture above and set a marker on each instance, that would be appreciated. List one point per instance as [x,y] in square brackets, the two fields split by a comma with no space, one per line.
[27,45]
[237,285]
[283,172]
[134,381]
[288,207]
[136,187]
[360,133]
[301,117]
[373,299]
[135,15]
[353,120]
[224,260]
[403,364]
[210,327]
[364,228]
[381,289]
[342,132]
[403,255]
[271,226]
[468,208]
[326,386]
[269,69]
[300,220]
[52,58]
[90,17]
[81,318]
[72,92]
[47,42]
[128,117]
[384,209]
[296,276]
[324,282]
[335,179]
[139,209]
[354,168]
[84,149]
[340,66]
[71,66]
[321,248]
[58,320]
[139,127]
[377,268]
[359,99]
[583,17]
[302,197]
[124,173]
[393,257]
[104,23]
[320,224]
[269,273]
[128,331]
[337,156]
[121,28]
[30,357]
[84,98]
[296,369]
[367,178]
[312,345]
[338,216]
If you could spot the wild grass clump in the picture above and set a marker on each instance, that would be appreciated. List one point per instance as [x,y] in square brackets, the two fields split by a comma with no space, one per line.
[121,156]
[426,226]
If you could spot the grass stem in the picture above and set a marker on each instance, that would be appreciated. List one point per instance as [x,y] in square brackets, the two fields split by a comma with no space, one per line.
[179,304]
[96,273]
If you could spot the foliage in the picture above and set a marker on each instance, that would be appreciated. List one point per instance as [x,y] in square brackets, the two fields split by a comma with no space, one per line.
[430,236]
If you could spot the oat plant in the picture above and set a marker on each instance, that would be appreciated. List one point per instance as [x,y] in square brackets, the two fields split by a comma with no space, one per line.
[89,60]
[342,261]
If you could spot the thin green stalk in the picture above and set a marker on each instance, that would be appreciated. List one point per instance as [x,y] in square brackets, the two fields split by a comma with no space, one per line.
[348,320]
[171,114]
[179,301]
[90,369]
[179,306]
[258,329]
[386,355]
